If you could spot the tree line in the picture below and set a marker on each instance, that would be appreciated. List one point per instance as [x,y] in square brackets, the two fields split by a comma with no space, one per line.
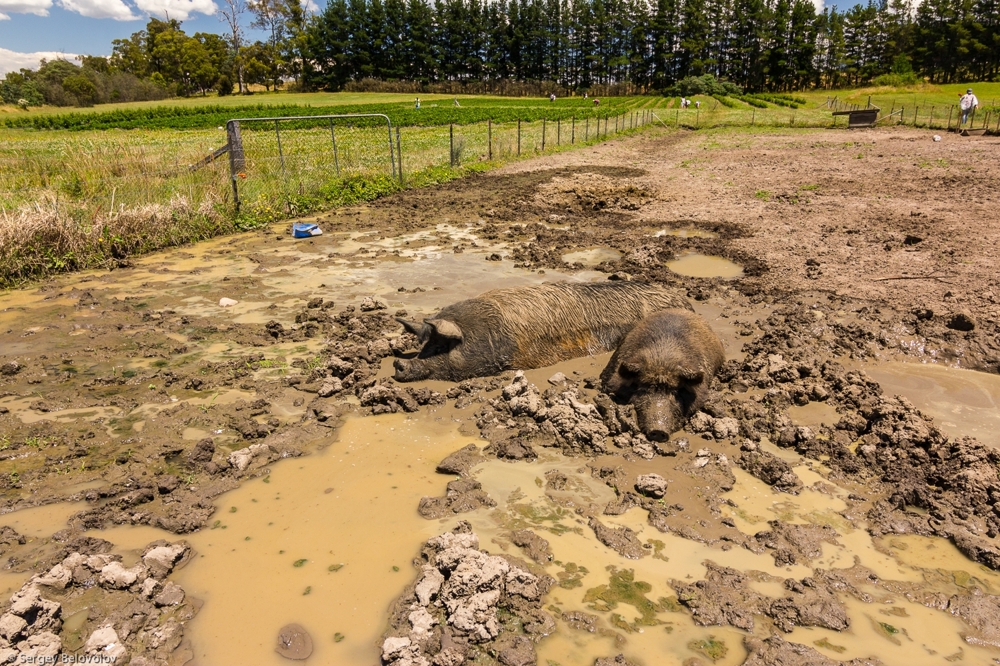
[623,46]
[650,45]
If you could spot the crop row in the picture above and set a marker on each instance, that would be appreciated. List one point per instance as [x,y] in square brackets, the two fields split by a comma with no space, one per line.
[205,117]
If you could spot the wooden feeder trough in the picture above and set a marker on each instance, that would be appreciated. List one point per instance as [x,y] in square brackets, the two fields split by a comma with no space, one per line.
[979,131]
[860,118]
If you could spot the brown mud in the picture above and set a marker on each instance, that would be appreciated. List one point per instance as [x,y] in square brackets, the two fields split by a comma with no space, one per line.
[837,499]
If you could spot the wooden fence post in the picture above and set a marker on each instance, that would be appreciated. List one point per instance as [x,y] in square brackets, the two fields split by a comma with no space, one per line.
[518,137]
[489,139]
[237,158]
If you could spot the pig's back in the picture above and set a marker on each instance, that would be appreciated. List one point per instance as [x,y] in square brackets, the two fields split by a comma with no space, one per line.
[554,322]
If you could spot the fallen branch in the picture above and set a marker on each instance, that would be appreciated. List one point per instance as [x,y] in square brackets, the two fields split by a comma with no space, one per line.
[928,276]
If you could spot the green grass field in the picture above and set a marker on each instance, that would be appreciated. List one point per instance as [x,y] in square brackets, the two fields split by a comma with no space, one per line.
[73,199]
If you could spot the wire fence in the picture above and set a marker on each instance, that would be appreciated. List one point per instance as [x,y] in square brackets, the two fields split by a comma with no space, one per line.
[283,162]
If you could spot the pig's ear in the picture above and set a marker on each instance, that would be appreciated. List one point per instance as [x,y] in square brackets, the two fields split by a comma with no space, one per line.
[412,326]
[692,375]
[445,328]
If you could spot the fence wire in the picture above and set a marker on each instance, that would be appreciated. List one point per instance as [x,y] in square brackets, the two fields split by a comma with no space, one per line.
[288,165]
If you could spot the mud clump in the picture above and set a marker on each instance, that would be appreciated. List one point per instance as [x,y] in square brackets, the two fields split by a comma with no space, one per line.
[770,469]
[462,495]
[522,415]
[651,485]
[460,462]
[774,650]
[535,546]
[452,612]
[294,642]
[792,543]
[384,397]
[724,597]
[148,627]
[623,540]
[10,368]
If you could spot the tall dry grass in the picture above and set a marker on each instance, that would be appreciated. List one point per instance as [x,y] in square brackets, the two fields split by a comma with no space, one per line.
[46,238]
[71,201]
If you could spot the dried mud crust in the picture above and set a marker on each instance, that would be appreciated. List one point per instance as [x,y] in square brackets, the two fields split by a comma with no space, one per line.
[847,260]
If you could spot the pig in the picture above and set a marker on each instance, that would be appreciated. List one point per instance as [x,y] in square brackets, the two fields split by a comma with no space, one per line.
[529,327]
[664,368]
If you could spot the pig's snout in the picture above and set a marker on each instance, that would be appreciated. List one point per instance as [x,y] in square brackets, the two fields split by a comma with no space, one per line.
[408,371]
[658,416]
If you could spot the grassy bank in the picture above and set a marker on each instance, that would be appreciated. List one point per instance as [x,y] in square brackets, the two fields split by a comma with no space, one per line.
[75,200]
[94,197]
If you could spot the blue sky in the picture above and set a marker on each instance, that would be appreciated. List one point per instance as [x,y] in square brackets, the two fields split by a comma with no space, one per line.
[32,29]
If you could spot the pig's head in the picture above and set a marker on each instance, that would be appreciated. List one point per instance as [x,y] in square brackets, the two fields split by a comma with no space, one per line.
[662,392]
[440,355]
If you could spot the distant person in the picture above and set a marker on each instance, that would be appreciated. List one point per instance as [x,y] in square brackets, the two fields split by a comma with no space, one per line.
[697,104]
[585,96]
[416,103]
[597,102]
[968,104]
[552,97]
[456,102]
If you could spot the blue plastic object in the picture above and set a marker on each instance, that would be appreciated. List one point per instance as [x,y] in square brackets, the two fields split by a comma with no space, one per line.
[305,230]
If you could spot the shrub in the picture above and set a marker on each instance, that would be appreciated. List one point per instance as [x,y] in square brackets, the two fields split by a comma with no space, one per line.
[706,84]
[895,80]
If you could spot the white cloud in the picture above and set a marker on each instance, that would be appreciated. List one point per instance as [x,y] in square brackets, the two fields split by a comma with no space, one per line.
[38,7]
[11,61]
[112,9]
[175,9]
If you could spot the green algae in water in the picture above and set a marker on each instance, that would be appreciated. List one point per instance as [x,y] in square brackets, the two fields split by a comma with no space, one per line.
[299,563]
[886,630]
[658,548]
[825,643]
[571,576]
[711,647]
[335,567]
[748,517]
[623,588]
[308,590]
[337,637]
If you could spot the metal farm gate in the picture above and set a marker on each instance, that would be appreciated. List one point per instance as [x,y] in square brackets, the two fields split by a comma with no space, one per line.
[278,159]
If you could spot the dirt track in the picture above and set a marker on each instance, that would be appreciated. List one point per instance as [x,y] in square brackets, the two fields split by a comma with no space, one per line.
[134,392]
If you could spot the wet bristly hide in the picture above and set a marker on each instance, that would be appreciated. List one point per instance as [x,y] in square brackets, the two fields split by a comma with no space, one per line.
[529,327]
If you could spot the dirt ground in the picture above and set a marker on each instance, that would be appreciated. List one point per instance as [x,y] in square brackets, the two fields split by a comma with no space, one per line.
[133,398]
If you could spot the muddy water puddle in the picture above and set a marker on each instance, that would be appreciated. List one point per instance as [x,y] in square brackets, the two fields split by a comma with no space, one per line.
[890,627]
[324,541]
[962,402]
[593,256]
[704,266]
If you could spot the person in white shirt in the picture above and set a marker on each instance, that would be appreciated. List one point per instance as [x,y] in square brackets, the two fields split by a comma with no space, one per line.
[967,104]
